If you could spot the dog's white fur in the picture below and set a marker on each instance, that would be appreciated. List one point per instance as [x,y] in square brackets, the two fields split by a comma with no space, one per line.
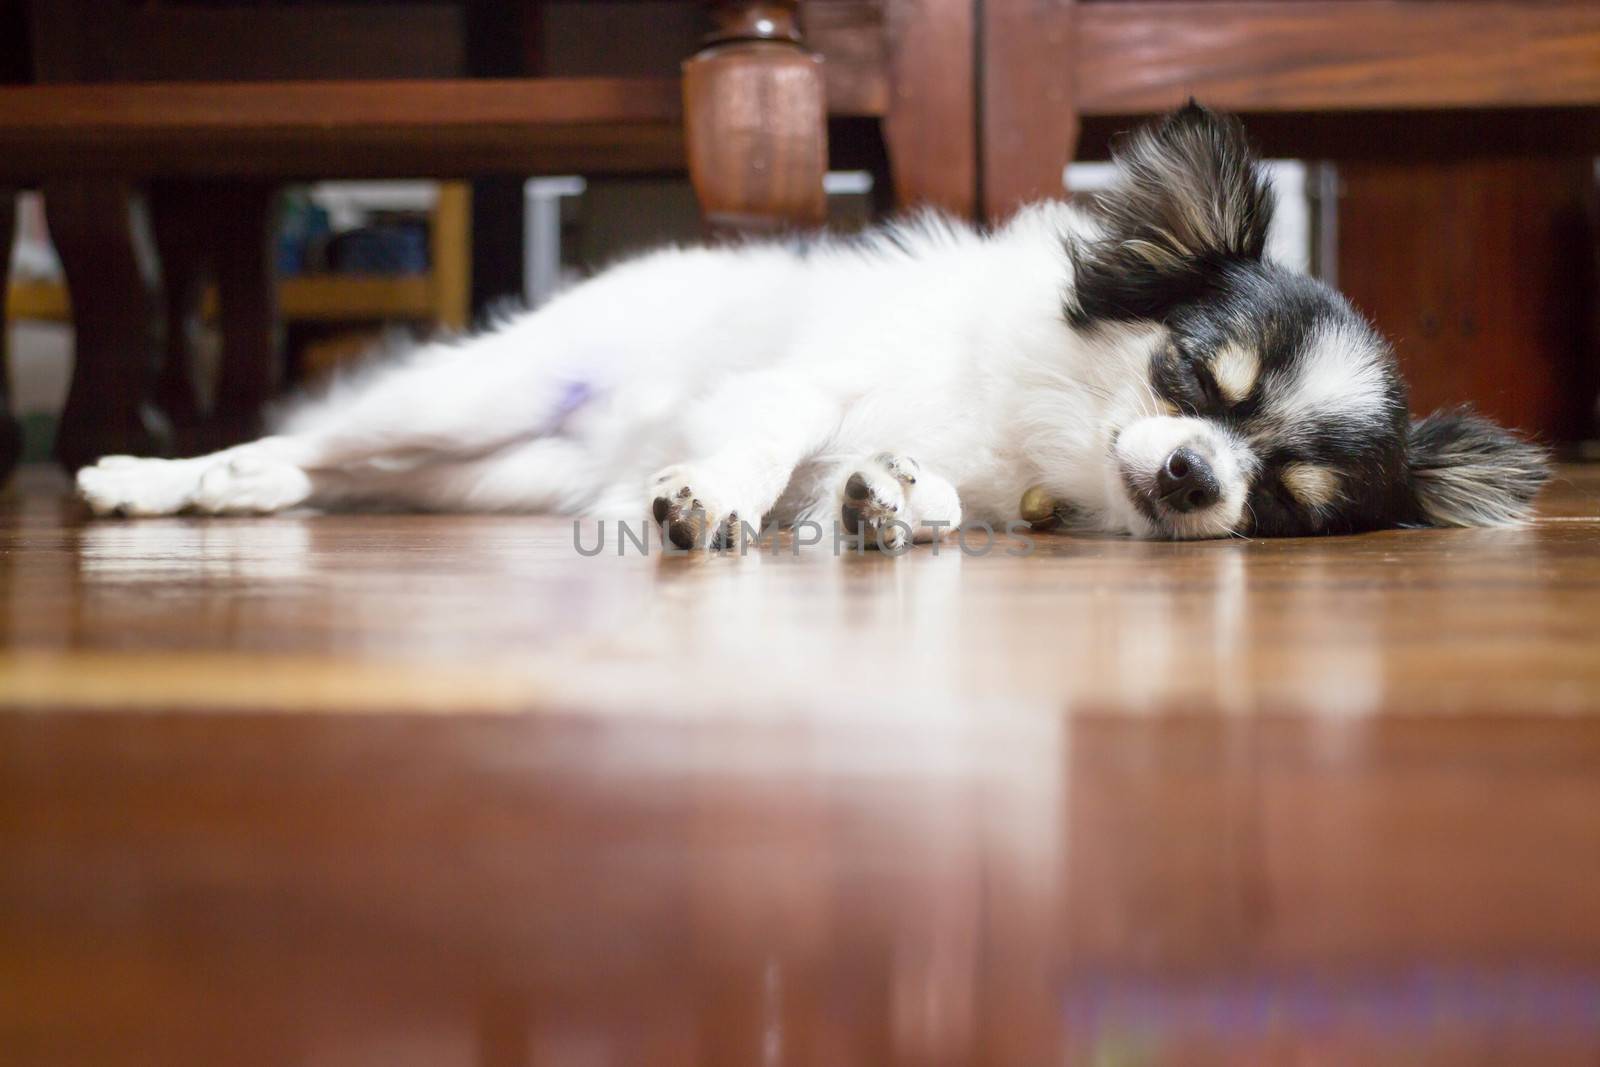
[753,380]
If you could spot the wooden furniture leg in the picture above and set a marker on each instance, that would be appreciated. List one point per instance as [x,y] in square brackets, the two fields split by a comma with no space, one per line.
[755,121]
[502,41]
[181,227]
[931,126]
[247,300]
[10,431]
[101,231]
[1030,122]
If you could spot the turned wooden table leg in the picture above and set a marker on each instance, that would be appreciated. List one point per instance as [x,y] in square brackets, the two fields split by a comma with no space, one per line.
[222,232]
[182,235]
[102,233]
[756,121]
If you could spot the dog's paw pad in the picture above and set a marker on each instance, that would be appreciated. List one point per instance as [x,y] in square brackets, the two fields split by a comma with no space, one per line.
[903,469]
[690,513]
[873,500]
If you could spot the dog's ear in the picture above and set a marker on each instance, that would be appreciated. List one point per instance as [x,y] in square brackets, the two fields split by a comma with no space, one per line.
[1466,471]
[1188,196]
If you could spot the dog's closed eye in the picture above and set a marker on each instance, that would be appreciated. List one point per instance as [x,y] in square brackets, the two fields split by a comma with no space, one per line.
[1188,382]
[1216,383]
[1207,390]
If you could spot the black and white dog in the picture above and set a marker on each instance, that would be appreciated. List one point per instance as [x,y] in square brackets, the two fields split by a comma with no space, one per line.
[1138,360]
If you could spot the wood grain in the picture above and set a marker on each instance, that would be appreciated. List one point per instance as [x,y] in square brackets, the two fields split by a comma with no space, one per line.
[1481,271]
[1339,55]
[930,122]
[1399,136]
[442,127]
[1336,625]
[1029,121]
[1322,78]
[438,790]
[756,121]
[852,39]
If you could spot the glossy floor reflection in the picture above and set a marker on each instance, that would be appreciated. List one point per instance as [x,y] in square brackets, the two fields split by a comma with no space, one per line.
[504,613]
[428,790]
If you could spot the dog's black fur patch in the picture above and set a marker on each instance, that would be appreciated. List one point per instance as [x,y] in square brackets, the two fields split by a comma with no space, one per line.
[1180,242]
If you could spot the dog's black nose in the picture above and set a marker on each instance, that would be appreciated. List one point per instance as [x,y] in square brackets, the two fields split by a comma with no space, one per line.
[1186,481]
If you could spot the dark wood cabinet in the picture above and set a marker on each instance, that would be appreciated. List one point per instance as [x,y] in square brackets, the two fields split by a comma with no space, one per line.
[1482,273]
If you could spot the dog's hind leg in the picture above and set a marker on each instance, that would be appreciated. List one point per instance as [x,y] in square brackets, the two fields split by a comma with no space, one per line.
[444,403]
[441,404]
[251,479]
[551,474]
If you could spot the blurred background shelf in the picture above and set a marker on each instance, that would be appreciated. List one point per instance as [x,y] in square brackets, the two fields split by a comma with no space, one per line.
[442,297]
[317,298]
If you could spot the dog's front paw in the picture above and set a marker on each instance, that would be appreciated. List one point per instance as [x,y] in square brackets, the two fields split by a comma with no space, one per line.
[693,512]
[890,500]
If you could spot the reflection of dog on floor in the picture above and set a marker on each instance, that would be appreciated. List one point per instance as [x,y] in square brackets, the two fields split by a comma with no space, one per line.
[1139,360]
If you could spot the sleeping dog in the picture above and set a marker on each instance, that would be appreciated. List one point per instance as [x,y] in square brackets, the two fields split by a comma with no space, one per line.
[1136,360]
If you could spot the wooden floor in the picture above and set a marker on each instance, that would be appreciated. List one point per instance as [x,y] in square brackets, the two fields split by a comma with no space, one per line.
[429,790]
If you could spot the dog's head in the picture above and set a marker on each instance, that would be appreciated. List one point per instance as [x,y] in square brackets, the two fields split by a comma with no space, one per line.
[1272,407]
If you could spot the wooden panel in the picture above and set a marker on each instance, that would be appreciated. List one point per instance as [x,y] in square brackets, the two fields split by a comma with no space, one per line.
[149,109]
[331,128]
[931,123]
[851,37]
[1029,124]
[127,42]
[1417,136]
[612,38]
[1481,271]
[1133,58]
